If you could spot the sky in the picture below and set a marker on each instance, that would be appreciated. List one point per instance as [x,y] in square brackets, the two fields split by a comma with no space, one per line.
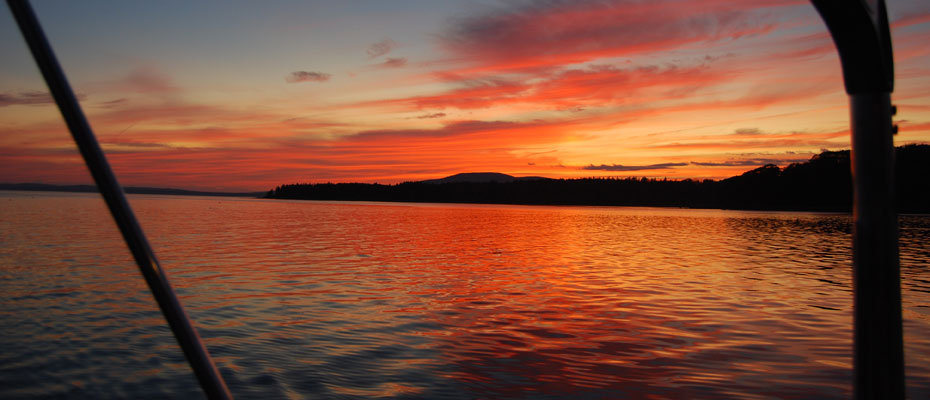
[246,95]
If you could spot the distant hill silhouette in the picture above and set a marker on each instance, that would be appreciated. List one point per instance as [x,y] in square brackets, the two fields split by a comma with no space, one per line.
[44,187]
[474,177]
[481,177]
[823,183]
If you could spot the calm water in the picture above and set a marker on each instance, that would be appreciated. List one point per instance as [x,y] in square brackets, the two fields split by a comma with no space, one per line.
[368,300]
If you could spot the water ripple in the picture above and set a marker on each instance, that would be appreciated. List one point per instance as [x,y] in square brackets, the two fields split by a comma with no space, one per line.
[367,300]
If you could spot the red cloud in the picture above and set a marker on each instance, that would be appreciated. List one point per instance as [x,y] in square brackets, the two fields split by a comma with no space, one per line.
[549,34]
[572,89]
[538,56]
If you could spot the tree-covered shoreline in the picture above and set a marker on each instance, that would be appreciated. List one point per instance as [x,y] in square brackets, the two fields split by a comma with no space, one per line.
[823,183]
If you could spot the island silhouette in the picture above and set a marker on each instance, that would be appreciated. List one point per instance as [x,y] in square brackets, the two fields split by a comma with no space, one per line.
[823,183]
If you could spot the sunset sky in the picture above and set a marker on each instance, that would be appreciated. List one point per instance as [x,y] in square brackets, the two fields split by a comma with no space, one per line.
[245,96]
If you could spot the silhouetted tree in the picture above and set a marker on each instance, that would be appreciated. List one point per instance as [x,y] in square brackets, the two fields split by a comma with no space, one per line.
[823,183]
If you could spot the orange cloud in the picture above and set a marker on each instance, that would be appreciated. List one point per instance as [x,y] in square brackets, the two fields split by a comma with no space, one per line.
[756,141]
[260,163]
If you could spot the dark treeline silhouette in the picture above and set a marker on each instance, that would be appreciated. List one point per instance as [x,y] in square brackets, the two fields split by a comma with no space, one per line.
[823,183]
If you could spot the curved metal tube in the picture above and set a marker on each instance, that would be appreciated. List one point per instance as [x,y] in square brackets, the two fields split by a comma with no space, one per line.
[196,353]
[863,41]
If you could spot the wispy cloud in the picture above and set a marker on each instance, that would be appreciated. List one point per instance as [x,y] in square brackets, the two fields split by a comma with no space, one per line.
[756,141]
[113,103]
[381,48]
[393,62]
[457,128]
[618,167]
[748,163]
[25,98]
[472,94]
[307,76]
[747,131]
[754,162]
[913,18]
[573,89]
[148,79]
[431,116]
[534,35]
[113,145]
[31,97]
[674,88]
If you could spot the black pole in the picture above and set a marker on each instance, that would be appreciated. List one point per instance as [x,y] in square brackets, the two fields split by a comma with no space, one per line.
[863,40]
[198,357]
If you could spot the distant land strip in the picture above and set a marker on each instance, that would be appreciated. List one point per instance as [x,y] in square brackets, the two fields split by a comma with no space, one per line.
[129,189]
[824,183]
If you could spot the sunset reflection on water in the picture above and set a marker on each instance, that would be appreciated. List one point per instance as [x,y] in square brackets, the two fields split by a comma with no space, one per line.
[359,300]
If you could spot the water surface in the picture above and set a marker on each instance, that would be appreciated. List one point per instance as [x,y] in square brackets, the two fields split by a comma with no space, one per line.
[300,299]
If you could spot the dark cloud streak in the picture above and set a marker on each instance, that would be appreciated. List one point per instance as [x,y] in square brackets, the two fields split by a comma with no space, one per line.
[381,48]
[307,76]
[25,98]
[33,97]
[747,163]
[618,167]
[734,163]
[431,116]
[113,103]
[747,131]
[393,62]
